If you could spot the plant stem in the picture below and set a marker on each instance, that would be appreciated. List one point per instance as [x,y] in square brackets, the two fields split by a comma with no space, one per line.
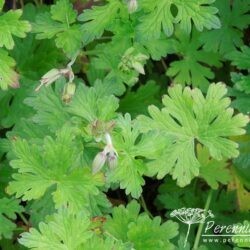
[23,219]
[188,231]
[90,52]
[22,3]
[36,2]
[198,235]
[164,64]
[143,204]
[19,229]
[14,5]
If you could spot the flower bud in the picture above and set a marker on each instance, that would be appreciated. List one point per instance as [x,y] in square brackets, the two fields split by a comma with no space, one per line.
[98,162]
[49,78]
[132,6]
[68,92]
[138,67]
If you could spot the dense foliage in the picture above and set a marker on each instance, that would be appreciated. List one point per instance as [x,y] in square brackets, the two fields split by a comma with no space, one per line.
[115,113]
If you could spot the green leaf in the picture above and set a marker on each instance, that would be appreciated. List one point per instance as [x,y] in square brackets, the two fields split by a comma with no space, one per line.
[211,170]
[150,234]
[91,106]
[59,23]
[241,82]
[189,116]
[1,4]
[46,27]
[241,102]
[97,19]
[118,224]
[63,231]
[136,103]
[63,12]
[242,241]
[242,162]
[40,209]
[70,40]
[159,16]
[15,108]
[8,210]
[106,244]
[240,59]
[55,163]
[158,48]
[50,110]
[132,147]
[172,196]
[143,232]
[234,18]
[10,25]
[117,58]
[193,67]
[8,77]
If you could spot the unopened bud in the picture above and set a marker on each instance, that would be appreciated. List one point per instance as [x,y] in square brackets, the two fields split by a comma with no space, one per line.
[68,92]
[138,67]
[132,6]
[49,78]
[53,75]
[99,162]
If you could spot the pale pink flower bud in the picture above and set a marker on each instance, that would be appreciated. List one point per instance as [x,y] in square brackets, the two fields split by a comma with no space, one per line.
[132,6]
[99,162]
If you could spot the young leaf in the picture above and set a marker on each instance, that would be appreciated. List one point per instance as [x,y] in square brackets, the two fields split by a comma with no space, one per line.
[189,116]
[234,18]
[8,210]
[10,25]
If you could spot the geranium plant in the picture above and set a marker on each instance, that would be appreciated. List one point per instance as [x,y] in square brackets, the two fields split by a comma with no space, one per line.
[116,115]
